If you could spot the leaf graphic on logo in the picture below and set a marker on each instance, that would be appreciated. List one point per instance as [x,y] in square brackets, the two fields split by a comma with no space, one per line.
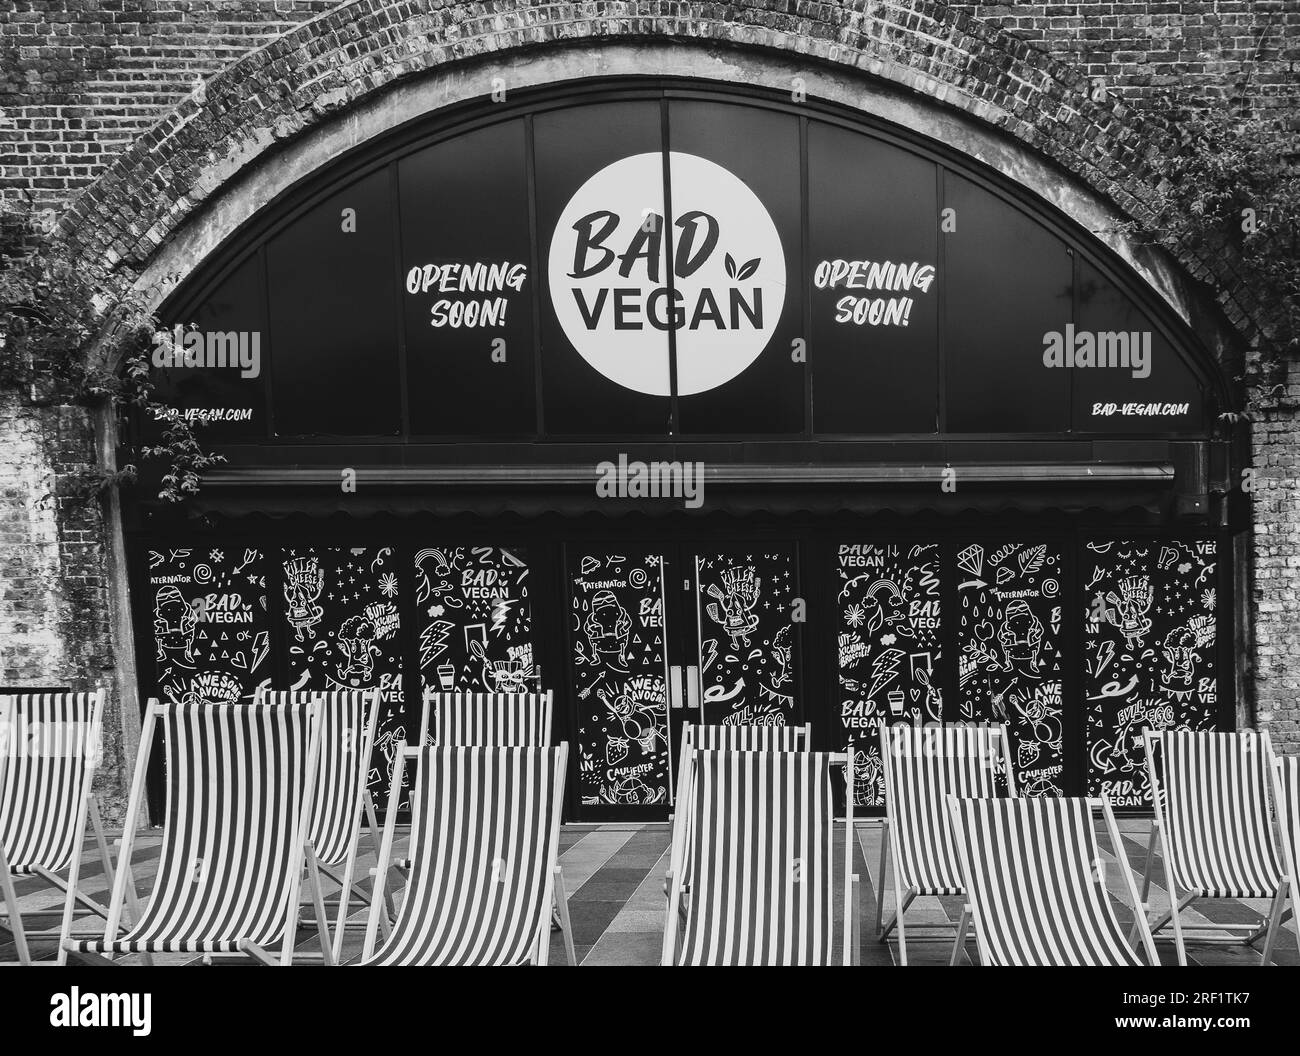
[748,268]
[730,265]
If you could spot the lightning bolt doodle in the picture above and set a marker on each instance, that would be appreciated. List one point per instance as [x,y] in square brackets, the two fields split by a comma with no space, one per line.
[708,654]
[500,613]
[433,641]
[884,669]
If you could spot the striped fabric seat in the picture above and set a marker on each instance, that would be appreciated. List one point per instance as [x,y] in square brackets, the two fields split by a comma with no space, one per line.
[761,864]
[342,780]
[1214,829]
[45,773]
[485,826]
[49,750]
[342,799]
[229,874]
[505,720]
[1215,808]
[924,766]
[733,737]
[1035,894]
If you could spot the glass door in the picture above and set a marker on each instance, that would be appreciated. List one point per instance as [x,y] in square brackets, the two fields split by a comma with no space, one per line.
[661,635]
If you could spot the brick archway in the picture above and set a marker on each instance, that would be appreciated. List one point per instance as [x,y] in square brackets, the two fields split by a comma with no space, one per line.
[362,51]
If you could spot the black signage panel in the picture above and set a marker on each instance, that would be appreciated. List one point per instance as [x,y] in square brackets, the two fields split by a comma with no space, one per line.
[737,225]
[333,292]
[1150,632]
[873,223]
[343,629]
[1140,383]
[467,284]
[214,367]
[620,678]
[748,649]
[1010,662]
[474,621]
[888,648]
[210,623]
[1008,284]
[608,307]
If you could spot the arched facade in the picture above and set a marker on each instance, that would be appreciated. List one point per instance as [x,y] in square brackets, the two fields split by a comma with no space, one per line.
[210,212]
[491,386]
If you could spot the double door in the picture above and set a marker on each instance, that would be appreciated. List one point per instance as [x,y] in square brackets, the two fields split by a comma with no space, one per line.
[660,634]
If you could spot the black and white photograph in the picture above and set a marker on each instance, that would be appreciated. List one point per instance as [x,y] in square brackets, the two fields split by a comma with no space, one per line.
[649,483]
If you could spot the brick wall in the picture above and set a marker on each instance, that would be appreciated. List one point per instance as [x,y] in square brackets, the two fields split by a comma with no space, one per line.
[81,80]
[54,606]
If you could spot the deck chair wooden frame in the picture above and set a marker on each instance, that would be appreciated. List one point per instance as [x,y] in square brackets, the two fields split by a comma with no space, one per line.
[1266,867]
[58,842]
[680,854]
[299,861]
[553,894]
[432,698]
[683,780]
[338,849]
[975,914]
[920,832]
[1285,772]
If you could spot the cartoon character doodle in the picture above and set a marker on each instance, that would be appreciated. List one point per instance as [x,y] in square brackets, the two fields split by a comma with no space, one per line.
[1021,637]
[632,791]
[634,710]
[356,642]
[1181,650]
[607,627]
[174,621]
[781,649]
[1129,609]
[868,776]
[737,598]
[303,583]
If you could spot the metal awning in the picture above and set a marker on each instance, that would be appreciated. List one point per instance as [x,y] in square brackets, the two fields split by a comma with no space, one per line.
[570,488]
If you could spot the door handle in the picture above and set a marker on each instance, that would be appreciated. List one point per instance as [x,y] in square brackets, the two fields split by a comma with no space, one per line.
[693,687]
[675,685]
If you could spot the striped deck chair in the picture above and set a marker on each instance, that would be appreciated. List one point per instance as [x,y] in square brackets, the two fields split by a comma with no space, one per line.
[487,719]
[343,799]
[761,861]
[485,844]
[239,780]
[1216,837]
[923,766]
[1035,892]
[736,737]
[49,748]
[1286,796]
[495,720]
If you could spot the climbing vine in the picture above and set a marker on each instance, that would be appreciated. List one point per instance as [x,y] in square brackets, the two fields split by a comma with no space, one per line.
[1232,188]
[62,341]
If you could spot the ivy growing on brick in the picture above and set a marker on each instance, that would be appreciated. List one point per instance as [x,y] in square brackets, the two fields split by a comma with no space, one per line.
[62,341]
[1232,191]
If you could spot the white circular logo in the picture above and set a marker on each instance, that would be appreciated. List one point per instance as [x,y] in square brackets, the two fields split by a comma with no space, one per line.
[609,272]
